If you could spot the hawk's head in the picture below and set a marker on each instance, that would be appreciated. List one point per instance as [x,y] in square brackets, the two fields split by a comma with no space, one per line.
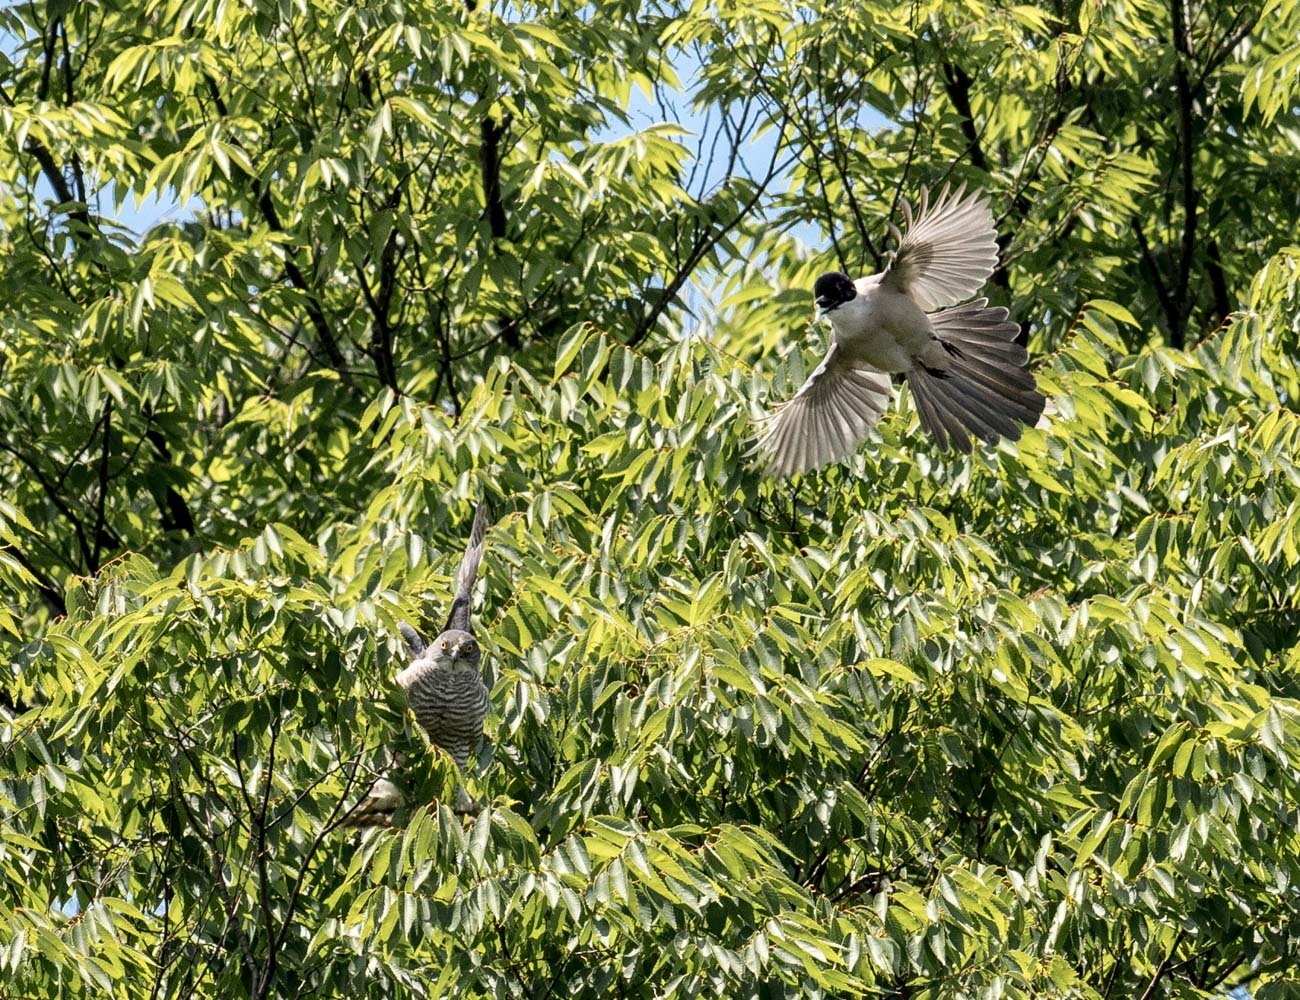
[455,649]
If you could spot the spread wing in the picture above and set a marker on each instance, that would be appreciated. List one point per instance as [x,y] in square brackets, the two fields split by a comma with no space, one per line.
[826,419]
[948,252]
[461,605]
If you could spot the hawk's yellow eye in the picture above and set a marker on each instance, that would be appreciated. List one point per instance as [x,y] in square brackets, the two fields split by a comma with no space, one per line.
[444,645]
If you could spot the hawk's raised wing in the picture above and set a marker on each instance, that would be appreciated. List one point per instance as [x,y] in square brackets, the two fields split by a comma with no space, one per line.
[462,602]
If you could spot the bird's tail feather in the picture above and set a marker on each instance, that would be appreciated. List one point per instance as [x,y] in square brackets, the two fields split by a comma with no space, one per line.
[984,389]
[382,800]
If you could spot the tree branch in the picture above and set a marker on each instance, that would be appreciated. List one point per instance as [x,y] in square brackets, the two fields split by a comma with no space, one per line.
[1239,30]
[381,329]
[1164,965]
[209,837]
[701,246]
[489,155]
[102,501]
[59,503]
[957,84]
[1218,283]
[52,595]
[312,306]
[1162,291]
[49,167]
[174,511]
[263,976]
[492,132]
[1183,57]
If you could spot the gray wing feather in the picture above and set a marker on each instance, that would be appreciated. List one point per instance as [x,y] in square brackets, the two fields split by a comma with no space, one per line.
[949,251]
[826,419]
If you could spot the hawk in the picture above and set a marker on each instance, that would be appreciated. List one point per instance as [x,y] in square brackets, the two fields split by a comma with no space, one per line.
[443,684]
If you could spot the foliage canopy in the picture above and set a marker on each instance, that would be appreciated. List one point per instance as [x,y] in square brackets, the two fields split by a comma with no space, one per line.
[1018,724]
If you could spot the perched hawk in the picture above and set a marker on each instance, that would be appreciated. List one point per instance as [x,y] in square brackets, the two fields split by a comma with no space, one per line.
[443,685]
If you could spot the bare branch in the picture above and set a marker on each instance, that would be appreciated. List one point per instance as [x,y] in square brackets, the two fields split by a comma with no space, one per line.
[1183,58]
[102,500]
[1164,965]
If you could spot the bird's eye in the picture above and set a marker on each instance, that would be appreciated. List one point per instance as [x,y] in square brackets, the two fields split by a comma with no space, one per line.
[469,647]
[444,645]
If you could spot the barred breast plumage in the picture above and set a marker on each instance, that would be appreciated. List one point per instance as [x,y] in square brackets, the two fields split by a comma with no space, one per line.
[449,703]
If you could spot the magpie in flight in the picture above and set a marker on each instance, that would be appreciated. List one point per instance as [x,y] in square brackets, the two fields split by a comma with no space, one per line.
[966,371]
